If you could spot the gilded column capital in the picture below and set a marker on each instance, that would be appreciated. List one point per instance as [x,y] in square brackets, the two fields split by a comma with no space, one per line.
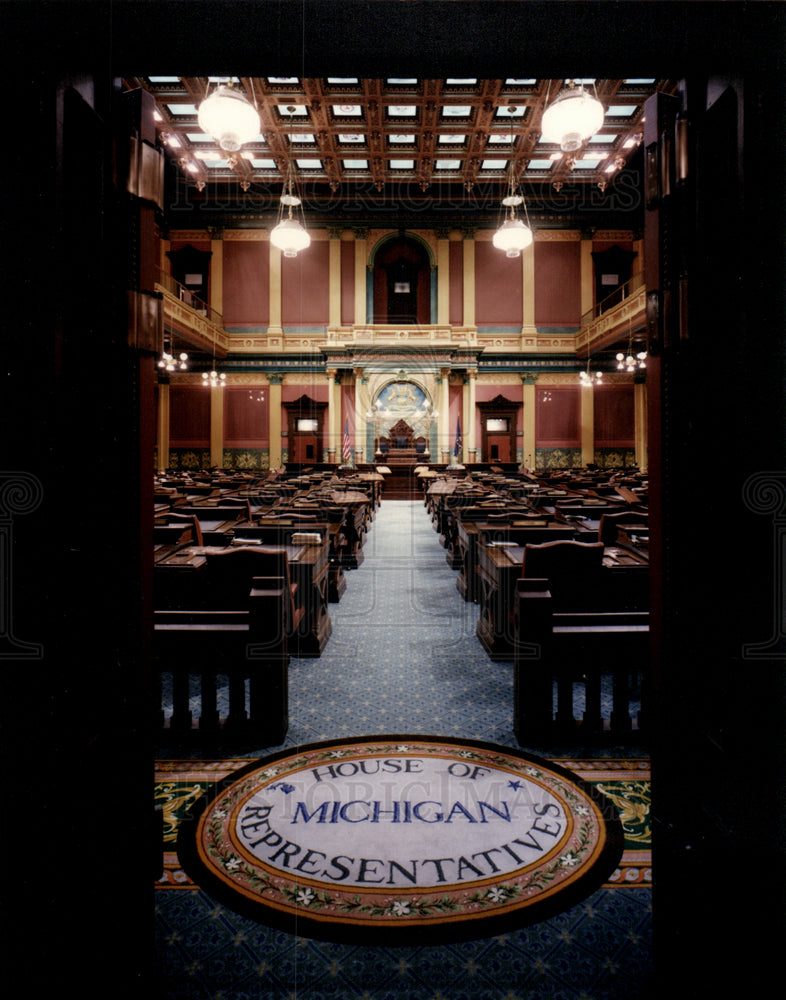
[361,232]
[529,378]
[275,378]
[468,232]
[215,232]
[334,232]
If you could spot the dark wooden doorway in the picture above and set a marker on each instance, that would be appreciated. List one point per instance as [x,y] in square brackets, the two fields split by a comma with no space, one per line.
[402,283]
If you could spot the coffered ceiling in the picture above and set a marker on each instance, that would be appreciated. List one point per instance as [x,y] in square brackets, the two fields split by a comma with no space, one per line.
[397,135]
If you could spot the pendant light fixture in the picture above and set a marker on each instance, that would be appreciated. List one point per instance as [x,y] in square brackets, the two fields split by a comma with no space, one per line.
[229,117]
[214,379]
[571,118]
[513,235]
[588,378]
[289,235]
[630,362]
[168,362]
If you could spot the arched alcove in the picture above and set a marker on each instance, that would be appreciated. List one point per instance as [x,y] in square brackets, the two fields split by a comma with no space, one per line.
[401,276]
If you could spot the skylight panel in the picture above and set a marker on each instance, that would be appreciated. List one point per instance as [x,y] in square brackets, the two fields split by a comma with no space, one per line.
[164,79]
[621,110]
[493,164]
[539,165]
[455,140]
[602,138]
[298,110]
[345,110]
[457,111]
[399,81]
[448,164]
[309,164]
[508,112]
[501,139]
[342,79]
[408,139]
[455,82]
[182,109]
[356,137]
[521,83]
[355,164]
[402,110]
[283,79]
[586,163]
[636,81]
[199,137]
[299,137]
[264,163]
[402,164]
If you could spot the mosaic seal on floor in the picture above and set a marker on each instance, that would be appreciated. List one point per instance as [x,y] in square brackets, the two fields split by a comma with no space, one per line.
[400,839]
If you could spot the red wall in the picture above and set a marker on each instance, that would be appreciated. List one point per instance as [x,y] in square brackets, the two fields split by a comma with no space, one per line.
[246,284]
[189,416]
[347,283]
[456,297]
[557,417]
[305,286]
[245,419]
[557,284]
[614,416]
[498,287]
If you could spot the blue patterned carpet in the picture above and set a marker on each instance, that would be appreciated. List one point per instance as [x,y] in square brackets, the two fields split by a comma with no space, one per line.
[403,657]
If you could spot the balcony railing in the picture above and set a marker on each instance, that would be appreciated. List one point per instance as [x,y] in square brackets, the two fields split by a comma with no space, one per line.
[624,291]
[187,297]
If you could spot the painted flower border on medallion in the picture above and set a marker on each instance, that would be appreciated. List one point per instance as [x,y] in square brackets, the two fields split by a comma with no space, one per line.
[586,856]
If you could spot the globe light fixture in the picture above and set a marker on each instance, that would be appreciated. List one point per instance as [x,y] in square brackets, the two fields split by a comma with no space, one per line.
[289,235]
[571,118]
[229,117]
[513,235]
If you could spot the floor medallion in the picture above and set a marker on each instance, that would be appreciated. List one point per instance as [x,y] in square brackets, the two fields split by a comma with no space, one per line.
[400,839]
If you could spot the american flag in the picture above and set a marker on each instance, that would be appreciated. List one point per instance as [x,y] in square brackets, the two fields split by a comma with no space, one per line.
[457,448]
[345,452]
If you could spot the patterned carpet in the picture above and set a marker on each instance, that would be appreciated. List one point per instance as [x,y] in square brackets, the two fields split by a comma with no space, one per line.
[403,657]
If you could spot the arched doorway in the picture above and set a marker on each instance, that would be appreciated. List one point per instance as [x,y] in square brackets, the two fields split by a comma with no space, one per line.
[402,282]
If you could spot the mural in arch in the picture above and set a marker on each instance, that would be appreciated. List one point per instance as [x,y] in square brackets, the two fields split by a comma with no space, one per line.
[404,399]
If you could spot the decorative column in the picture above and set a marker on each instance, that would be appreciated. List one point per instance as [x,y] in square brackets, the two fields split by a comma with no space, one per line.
[586,274]
[443,277]
[162,443]
[468,319]
[334,279]
[361,254]
[275,420]
[217,426]
[334,414]
[528,291]
[216,293]
[587,424]
[528,380]
[640,419]
[275,291]
[443,421]
[360,381]
[469,416]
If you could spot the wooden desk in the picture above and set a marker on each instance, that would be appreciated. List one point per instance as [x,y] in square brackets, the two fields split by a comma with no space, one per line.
[625,587]
[182,582]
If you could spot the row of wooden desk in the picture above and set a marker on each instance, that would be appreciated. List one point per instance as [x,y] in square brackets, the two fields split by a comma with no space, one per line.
[485,528]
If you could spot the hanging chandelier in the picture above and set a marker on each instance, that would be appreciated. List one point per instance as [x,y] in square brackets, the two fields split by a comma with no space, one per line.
[571,118]
[229,117]
[630,362]
[513,235]
[588,378]
[214,379]
[168,362]
[289,235]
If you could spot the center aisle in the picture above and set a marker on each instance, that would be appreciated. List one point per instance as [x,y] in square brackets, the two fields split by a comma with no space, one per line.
[403,656]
